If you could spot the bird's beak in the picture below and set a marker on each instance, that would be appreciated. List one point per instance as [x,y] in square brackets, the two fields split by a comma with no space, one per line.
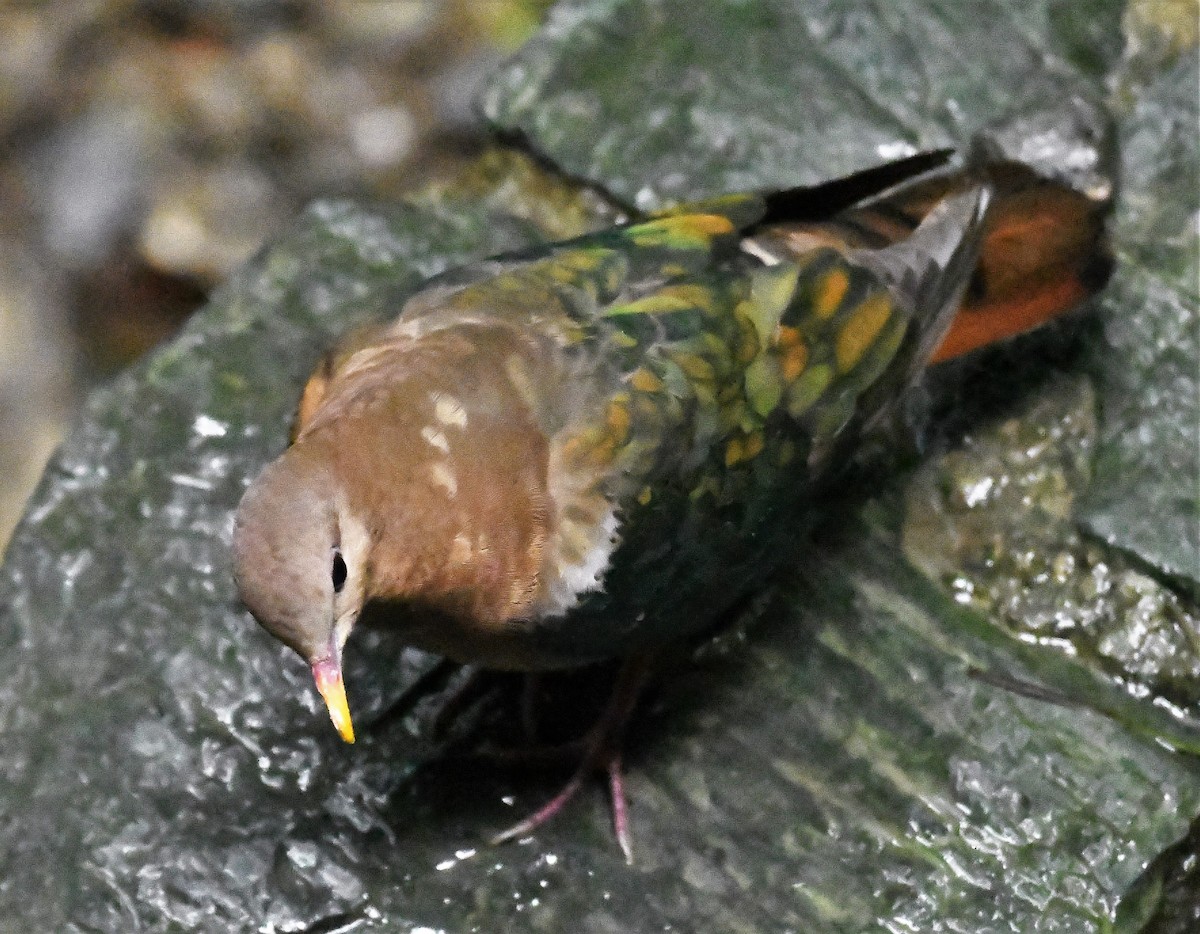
[327,672]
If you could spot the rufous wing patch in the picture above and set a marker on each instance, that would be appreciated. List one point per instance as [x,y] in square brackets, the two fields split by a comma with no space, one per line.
[312,397]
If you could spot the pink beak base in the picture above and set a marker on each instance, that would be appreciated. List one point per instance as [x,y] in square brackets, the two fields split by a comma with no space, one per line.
[327,672]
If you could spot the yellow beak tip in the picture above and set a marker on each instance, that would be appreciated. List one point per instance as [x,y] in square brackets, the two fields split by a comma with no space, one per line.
[339,712]
[333,691]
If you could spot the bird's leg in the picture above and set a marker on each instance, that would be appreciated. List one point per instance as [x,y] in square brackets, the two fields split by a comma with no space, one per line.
[470,689]
[471,685]
[429,682]
[620,806]
[532,754]
[602,751]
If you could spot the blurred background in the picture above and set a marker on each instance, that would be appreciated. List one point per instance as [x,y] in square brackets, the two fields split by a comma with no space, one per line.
[148,147]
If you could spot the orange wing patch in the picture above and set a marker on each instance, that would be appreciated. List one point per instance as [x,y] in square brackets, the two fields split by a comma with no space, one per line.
[312,397]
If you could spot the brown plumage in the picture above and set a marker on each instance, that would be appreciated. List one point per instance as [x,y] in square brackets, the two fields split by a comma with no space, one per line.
[594,450]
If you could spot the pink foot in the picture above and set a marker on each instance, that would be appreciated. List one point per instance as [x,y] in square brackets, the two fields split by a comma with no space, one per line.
[542,814]
[616,790]
[602,753]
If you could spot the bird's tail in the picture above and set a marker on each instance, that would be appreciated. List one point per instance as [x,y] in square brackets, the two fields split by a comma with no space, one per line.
[1044,247]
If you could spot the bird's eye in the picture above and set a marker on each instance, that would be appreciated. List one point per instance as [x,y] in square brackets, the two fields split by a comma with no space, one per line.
[339,572]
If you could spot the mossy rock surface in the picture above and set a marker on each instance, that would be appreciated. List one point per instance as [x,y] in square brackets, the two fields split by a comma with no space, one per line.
[972,706]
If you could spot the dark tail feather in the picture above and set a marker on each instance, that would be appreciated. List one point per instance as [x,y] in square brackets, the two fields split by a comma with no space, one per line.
[817,203]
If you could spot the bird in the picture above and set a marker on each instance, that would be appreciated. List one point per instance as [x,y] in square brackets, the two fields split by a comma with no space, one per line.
[593,449]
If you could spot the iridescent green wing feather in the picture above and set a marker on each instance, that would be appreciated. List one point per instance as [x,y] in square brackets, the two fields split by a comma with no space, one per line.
[730,358]
[739,384]
[711,357]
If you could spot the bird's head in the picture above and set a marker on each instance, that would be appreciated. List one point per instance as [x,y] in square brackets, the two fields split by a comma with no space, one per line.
[300,562]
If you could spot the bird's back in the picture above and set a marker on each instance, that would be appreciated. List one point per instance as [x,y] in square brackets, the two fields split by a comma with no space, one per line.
[692,381]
